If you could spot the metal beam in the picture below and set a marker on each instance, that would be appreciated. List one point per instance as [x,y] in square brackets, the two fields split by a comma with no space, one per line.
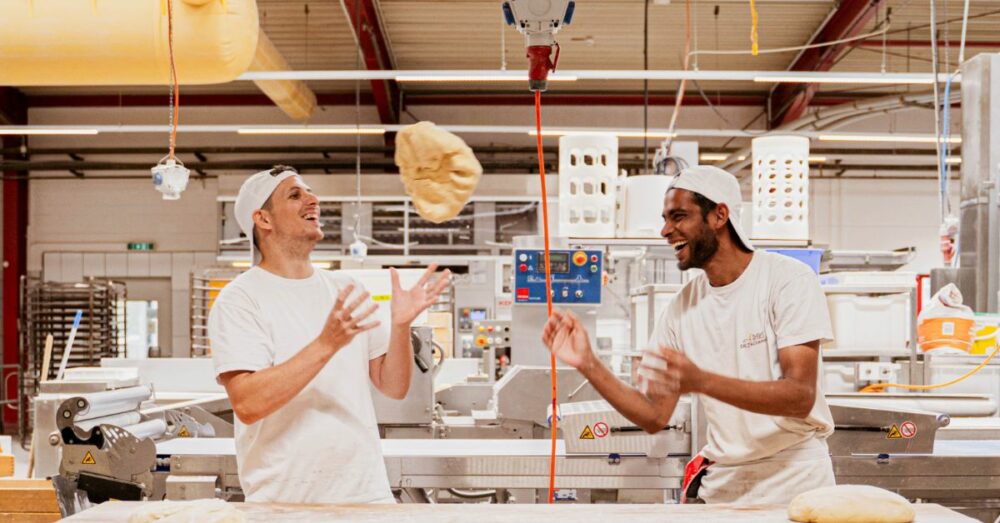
[788,102]
[363,16]
[187,100]
[13,111]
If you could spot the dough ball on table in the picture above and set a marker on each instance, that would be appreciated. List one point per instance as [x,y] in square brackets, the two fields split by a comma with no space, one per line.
[199,511]
[438,170]
[850,504]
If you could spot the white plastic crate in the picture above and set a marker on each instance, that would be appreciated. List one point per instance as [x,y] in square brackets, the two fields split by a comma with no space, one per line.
[780,188]
[588,170]
[871,323]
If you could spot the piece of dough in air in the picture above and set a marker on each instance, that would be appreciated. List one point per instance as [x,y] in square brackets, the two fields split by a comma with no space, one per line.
[850,504]
[200,511]
[438,170]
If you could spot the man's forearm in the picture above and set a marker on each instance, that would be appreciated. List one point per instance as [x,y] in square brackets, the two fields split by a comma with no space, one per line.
[256,395]
[783,397]
[397,368]
[649,415]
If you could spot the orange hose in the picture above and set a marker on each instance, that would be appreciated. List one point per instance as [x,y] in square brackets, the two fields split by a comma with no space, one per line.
[548,293]
[173,79]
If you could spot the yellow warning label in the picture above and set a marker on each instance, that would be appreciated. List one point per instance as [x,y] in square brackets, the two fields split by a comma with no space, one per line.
[184,433]
[88,459]
[587,433]
[894,433]
[382,297]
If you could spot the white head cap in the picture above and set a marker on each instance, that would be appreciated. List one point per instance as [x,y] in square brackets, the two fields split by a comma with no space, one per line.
[717,186]
[253,193]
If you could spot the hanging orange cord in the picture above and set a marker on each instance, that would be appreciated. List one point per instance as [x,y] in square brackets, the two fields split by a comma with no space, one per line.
[175,95]
[548,293]
[753,28]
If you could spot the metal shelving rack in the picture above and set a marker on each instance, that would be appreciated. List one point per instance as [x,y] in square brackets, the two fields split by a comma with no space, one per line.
[49,308]
[205,286]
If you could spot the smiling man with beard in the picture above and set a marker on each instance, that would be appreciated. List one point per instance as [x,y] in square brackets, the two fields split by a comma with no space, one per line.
[744,336]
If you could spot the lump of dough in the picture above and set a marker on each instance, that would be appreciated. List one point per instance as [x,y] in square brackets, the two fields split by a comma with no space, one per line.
[199,511]
[850,504]
[438,170]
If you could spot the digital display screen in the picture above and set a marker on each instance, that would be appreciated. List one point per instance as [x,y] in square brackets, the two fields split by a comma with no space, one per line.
[477,314]
[559,262]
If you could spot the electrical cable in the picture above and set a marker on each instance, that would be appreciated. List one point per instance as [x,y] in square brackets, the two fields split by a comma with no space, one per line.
[726,52]
[942,178]
[754,48]
[175,90]
[548,294]
[877,387]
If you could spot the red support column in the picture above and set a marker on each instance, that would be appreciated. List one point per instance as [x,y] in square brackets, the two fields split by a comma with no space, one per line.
[13,111]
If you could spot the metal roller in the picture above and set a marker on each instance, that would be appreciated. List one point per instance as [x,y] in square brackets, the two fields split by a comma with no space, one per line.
[957,405]
[120,420]
[90,406]
[151,429]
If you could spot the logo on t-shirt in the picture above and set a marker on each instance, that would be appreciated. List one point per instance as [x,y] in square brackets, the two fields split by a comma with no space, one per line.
[752,340]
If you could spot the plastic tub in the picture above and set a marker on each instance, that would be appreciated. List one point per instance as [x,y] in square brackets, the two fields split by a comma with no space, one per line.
[810,257]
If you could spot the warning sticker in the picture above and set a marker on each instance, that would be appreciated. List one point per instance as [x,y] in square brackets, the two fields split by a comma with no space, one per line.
[894,433]
[600,429]
[88,459]
[184,432]
[382,297]
[908,429]
[587,433]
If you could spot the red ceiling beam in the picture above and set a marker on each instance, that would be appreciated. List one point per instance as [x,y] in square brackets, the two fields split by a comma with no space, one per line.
[788,102]
[363,17]
[13,111]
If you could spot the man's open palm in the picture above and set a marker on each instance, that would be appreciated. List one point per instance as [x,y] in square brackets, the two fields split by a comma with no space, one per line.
[407,304]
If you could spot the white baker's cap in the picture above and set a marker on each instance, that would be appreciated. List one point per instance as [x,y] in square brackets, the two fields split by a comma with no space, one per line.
[717,186]
[253,193]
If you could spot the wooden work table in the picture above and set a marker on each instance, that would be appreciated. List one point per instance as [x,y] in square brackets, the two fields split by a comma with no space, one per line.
[483,513]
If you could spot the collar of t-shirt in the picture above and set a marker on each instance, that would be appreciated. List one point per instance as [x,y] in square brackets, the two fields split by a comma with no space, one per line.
[737,284]
[290,282]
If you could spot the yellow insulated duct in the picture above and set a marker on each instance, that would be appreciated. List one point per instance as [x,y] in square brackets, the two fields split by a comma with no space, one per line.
[124,42]
[291,96]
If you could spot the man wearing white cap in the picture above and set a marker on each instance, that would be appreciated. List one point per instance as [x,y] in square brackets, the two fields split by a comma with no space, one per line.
[744,336]
[295,348]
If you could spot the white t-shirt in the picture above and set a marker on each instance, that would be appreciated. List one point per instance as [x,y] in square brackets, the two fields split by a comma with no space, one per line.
[322,446]
[736,331]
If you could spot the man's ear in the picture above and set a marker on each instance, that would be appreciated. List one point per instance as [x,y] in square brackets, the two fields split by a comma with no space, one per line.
[262,220]
[721,213]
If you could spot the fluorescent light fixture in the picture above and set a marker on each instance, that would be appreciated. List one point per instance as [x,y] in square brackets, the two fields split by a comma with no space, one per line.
[620,134]
[907,138]
[520,77]
[953,160]
[817,159]
[847,78]
[44,131]
[312,130]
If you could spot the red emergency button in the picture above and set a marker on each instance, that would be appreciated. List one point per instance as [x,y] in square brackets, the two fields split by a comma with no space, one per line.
[579,258]
[522,268]
[593,258]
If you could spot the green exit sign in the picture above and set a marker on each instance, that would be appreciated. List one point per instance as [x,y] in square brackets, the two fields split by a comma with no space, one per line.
[140,246]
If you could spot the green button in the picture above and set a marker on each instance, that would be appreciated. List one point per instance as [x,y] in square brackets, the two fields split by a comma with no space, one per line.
[593,268]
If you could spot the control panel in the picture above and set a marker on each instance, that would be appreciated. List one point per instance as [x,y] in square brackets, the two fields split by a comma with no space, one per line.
[467,316]
[492,334]
[576,276]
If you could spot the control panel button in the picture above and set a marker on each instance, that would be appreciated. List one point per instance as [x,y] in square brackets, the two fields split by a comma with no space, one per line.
[565,292]
[593,268]
[522,257]
[481,341]
[523,267]
[579,258]
[578,294]
[482,329]
[593,258]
